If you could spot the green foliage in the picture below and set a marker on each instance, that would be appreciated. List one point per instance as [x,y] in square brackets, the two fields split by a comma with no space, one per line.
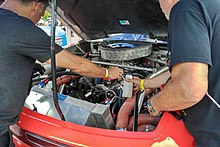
[46,15]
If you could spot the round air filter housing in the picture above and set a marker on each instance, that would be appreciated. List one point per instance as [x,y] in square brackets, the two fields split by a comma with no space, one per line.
[121,53]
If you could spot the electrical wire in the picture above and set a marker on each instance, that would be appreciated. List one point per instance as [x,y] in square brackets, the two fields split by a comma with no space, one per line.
[212,99]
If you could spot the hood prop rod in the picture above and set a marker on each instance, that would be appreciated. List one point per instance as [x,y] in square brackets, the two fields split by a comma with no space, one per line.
[53,59]
[136,107]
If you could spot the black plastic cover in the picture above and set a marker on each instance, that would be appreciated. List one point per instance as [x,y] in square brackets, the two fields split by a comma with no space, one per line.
[98,18]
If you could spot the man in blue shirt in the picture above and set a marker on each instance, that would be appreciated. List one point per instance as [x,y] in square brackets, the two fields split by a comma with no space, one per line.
[194,43]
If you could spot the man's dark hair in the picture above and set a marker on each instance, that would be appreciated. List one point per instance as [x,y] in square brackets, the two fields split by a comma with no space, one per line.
[44,2]
[2,1]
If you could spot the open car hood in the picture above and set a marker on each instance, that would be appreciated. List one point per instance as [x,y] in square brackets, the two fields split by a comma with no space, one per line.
[93,19]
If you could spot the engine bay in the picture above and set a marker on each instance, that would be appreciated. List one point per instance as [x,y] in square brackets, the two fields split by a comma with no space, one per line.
[101,102]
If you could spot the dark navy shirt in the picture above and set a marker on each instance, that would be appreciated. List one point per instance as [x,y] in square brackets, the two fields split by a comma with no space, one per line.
[194,36]
[21,43]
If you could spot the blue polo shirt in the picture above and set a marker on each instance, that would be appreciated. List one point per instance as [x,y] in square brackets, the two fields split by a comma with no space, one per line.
[194,36]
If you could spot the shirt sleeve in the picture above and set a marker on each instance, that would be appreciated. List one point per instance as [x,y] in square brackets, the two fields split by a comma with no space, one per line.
[35,43]
[188,38]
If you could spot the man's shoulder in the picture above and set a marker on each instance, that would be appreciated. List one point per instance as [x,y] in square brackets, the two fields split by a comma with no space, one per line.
[192,6]
[195,6]
[10,17]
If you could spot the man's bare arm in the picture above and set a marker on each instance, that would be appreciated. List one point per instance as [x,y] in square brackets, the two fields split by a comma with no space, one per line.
[157,81]
[84,67]
[187,87]
[151,83]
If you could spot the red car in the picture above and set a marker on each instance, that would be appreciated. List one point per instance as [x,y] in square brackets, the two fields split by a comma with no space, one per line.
[130,34]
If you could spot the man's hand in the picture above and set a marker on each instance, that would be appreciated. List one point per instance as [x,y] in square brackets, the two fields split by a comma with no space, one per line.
[137,82]
[115,73]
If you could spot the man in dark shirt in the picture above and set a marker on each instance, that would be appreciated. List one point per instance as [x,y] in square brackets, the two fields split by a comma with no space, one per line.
[194,42]
[21,44]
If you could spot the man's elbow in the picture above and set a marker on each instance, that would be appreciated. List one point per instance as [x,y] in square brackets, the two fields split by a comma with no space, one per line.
[195,93]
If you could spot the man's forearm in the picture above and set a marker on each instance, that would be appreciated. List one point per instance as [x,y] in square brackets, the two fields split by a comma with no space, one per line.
[79,65]
[172,98]
[187,87]
[157,81]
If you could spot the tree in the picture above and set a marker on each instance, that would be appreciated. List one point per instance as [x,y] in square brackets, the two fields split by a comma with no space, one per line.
[46,15]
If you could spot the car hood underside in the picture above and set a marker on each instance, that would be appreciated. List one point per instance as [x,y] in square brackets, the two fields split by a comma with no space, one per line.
[93,19]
